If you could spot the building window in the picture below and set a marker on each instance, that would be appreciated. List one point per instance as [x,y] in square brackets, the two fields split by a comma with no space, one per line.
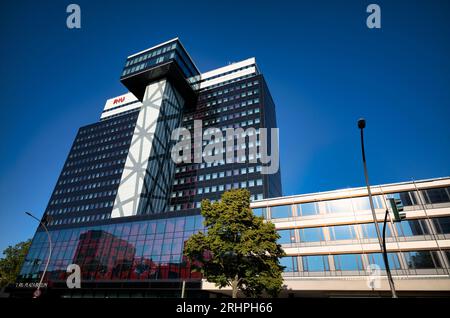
[306,209]
[286,236]
[377,258]
[369,230]
[363,203]
[290,264]
[440,195]
[314,234]
[315,263]
[422,260]
[348,262]
[342,232]
[442,225]
[408,198]
[412,228]
[279,212]
[339,206]
[260,212]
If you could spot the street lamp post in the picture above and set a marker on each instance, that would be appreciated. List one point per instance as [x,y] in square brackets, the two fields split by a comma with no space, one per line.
[37,293]
[361,126]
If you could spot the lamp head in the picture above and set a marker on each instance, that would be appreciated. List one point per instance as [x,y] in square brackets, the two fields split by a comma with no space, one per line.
[361,123]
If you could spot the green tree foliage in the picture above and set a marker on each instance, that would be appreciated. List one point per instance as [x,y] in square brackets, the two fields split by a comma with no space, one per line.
[239,249]
[10,265]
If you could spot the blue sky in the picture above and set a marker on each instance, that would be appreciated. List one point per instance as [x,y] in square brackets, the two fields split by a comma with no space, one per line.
[324,67]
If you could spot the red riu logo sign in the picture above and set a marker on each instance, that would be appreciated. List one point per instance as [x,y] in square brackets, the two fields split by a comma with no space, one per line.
[119,100]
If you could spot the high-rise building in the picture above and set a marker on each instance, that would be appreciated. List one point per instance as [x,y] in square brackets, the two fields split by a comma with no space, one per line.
[123,206]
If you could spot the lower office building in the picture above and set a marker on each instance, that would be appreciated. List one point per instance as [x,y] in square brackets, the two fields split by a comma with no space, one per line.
[329,238]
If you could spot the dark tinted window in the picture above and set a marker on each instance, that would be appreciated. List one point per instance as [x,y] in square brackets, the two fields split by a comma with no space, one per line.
[442,225]
[412,227]
[422,260]
[436,195]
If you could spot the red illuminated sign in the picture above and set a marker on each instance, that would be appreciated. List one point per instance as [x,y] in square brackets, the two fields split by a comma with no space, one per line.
[119,100]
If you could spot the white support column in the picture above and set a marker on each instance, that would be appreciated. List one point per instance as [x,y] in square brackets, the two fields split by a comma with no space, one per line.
[132,180]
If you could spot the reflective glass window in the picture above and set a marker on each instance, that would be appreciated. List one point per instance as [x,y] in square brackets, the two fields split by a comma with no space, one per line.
[339,206]
[422,260]
[260,212]
[315,263]
[306,209]
[290,264]
[343,232]
[442,225]
[283,211]
[369,230]
[440,195]
[314,234]
[348,262]
[412,227]
[286,236]
[377,258]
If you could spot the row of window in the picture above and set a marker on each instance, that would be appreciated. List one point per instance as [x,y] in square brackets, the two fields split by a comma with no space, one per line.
[229,186]
[203,165]
[150,54]
[244,94]
[412,260]
[406,228]
[228,90]
[93,167]
[149,62]
[82,208]
[218,188]
[222,140]
[408,198]
[111,137]
[227,73]
[80,219]
[234,80]
[88,196]
[197,204]
[220,174]
[232,116]
[99,149]
[106,132]
[120,122]
[112,154]
[215,111]
[248,102]
[91,176]
[89,186]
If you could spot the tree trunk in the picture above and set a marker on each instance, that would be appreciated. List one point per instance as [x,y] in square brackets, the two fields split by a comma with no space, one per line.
[234,286]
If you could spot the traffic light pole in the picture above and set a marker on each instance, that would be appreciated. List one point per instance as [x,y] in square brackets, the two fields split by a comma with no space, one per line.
[361,126]
[386,259]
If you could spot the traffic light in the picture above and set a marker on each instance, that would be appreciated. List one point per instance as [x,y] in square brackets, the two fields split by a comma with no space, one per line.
[397,209]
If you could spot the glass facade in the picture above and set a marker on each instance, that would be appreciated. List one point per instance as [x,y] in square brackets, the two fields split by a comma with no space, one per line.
[144,250]
[162,54]
[311,237]
[442,225]
[315,263]
[236,105]
[88,183]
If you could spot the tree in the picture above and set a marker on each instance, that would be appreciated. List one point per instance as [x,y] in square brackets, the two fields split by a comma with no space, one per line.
[239,249]
[10,265]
